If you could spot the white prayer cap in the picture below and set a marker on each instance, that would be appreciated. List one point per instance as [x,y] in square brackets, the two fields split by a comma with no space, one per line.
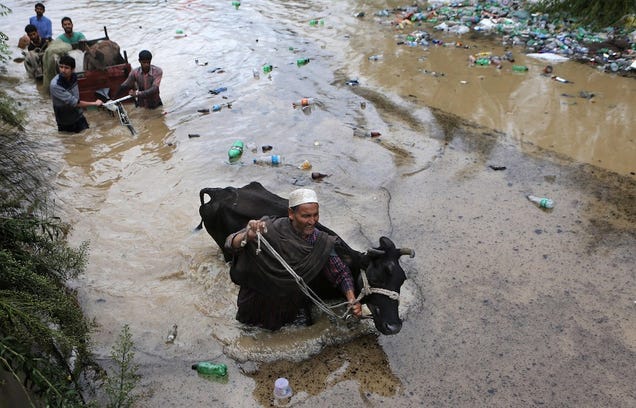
[302,196]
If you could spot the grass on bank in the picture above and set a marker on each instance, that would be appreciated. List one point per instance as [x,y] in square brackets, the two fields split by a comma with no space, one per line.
[45,356]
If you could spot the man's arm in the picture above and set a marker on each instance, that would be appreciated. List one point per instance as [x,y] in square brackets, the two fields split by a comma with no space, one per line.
[85,104]
[128,83]
[238,239]
[339,274]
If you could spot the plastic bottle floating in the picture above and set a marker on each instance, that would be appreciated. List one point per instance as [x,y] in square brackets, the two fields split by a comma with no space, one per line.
[267,68]
[542,202]
[236,151]
[303,103]
[172,335]
[316,22]
[180,34]
[272,160]
[209,368]
[363,133]
[302,61]
[216,107]
[562,80]
[217,90]
[236,4]
[318,176]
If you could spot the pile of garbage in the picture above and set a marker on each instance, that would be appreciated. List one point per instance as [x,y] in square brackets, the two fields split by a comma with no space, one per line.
[611,50]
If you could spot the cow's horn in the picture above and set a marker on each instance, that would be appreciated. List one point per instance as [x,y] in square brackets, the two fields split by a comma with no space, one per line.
[407,251]
[373,251]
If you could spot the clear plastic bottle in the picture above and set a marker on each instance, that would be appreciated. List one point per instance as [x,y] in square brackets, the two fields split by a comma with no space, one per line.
[542,202]
[282,388]
[172,335]
[271,160]
[218,90]
[362,133]
[236,151]
[562,80]
[210,368]
[376,57]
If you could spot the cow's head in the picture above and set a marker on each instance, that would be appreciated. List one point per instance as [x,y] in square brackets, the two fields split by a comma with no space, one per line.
[384,277]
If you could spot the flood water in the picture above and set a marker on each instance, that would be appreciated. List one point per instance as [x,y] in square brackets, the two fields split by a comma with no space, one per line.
[506,304]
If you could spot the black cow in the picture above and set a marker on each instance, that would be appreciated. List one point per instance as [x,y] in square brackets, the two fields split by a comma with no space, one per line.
[230,208]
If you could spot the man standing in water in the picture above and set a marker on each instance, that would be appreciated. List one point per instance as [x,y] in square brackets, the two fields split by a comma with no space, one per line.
[43,24]
[70,36]
[268,297]
[143,82]
[65,95]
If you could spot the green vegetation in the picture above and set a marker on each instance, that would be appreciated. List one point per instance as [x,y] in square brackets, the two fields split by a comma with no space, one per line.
[44,336]
[4,47]
[593,13]
[120,384]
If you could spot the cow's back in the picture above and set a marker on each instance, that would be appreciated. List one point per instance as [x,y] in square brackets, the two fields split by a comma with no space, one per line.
[230,208]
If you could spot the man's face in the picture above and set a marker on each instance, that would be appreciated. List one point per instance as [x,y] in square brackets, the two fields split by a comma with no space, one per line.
[34,37]
[305,217]
[67,26]
[145,65]
[65,71]
[39,11]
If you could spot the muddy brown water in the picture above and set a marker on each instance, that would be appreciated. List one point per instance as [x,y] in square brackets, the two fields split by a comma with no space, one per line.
[506,305]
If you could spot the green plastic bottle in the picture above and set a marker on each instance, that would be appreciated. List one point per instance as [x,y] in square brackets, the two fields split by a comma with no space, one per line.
[267,68]
[302,61]
[519,68]
[210,368]
[236,151]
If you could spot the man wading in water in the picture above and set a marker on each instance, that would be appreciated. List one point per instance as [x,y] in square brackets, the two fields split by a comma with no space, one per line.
[268,296]
[65,97]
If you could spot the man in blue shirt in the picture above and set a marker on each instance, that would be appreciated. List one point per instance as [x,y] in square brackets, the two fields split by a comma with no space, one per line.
[43,24]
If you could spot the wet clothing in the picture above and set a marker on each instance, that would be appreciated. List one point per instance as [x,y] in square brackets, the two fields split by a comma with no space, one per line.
[65,97]
[269,296]
[75,38]
[43,25]
[146,84]
[33,64]
[40,45]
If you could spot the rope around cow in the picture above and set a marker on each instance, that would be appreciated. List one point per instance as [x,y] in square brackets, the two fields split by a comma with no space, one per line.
[304,287]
